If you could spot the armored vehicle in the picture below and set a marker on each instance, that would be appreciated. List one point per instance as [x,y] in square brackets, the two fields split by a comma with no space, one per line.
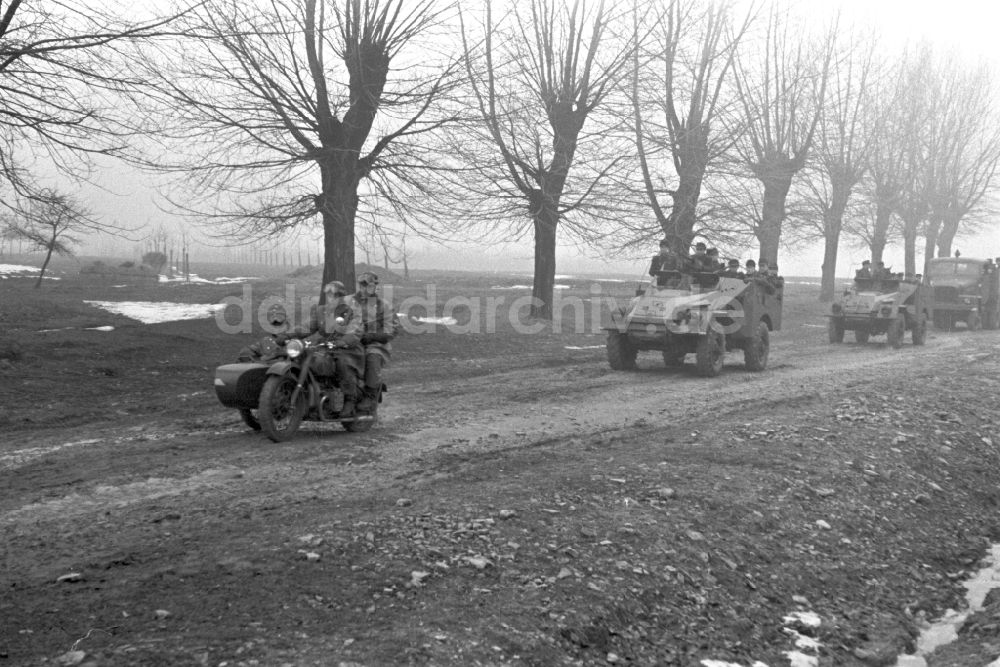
[890,306]
[965,290]
[701,313]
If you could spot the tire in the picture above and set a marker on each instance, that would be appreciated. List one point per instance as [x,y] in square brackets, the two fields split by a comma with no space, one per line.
[919,333]
[835,327]
[757,349]
[279,419]
[896,332]
[621,354]
[673,358]
[711,353]
[861,335]
[250,419]
[974,322]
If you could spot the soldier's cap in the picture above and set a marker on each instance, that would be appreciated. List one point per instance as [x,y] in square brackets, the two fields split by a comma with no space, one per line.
[734,262]
[276,314]
[713,251]
[335,287]
[368,278]
[750,262]
[866,262]
[700,246]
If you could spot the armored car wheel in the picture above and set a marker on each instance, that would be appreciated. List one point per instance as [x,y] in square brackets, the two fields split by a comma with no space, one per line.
[861,335]
[621,354]
[711,353]
[757,349]
[249,418]
[973,322]
[835,327]
[279,419]
[919,333]
[897,329]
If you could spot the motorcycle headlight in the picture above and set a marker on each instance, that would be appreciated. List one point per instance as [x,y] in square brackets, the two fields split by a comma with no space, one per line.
[294,348]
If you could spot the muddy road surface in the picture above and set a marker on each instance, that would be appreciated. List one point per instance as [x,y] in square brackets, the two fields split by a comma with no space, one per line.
[530,509]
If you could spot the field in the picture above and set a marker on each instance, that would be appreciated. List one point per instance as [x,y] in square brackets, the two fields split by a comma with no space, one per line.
[518,502]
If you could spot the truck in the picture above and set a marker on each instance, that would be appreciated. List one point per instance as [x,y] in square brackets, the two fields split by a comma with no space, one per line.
[705,314]
[890,305]
[966,290]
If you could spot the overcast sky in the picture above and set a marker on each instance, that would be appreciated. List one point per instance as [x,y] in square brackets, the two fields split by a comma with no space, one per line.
[969,26]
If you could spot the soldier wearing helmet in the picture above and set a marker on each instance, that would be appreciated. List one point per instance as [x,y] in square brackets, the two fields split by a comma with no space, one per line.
[379,323]
[338,322]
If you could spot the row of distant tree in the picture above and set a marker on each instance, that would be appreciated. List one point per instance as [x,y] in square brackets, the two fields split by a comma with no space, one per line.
[612,124]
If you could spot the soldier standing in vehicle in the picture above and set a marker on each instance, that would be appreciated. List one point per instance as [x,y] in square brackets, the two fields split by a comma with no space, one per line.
[338,322]
[379,322]
[733,269]
[665,260]
[865,271]
[751,270]
[700,260]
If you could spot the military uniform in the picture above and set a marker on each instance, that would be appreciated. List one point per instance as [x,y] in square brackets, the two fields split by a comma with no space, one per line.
[346,361]
[379,323]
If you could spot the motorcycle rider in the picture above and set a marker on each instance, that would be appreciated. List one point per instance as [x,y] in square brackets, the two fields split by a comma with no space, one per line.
[379,322]
[266,347]
[338,322]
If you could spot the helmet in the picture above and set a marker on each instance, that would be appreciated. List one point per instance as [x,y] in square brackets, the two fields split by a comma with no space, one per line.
[335,288]
[368,278]
[276,315]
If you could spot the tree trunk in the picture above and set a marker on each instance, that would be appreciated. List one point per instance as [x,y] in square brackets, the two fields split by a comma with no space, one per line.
[880,235]
[338,205]
[930,238]
[772,217]
[910,246]
[947,236]
[678,227]
[48,256]
[543,287]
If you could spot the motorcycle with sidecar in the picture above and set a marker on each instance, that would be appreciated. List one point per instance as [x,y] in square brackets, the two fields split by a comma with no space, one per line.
[278,393]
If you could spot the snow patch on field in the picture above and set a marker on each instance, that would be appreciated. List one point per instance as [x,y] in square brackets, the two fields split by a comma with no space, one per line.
[195,278]
[7,270]
[446,321]
[155,312]
[21,271]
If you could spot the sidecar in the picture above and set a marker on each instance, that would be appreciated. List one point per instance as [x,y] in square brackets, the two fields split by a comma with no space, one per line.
[239,385]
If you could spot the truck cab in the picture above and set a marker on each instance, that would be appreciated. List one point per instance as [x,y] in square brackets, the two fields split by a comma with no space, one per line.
[965,289]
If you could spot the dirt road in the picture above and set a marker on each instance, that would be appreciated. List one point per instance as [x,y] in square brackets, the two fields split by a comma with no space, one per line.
[532,510]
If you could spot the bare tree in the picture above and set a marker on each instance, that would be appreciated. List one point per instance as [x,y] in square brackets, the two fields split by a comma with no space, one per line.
[678,92]
[51,222]
[537,77]
[965,151]
[844,140]
[293,108]
[63,73]
[781,87]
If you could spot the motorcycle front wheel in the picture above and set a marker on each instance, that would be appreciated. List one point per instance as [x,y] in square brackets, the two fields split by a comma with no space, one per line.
[278,418]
